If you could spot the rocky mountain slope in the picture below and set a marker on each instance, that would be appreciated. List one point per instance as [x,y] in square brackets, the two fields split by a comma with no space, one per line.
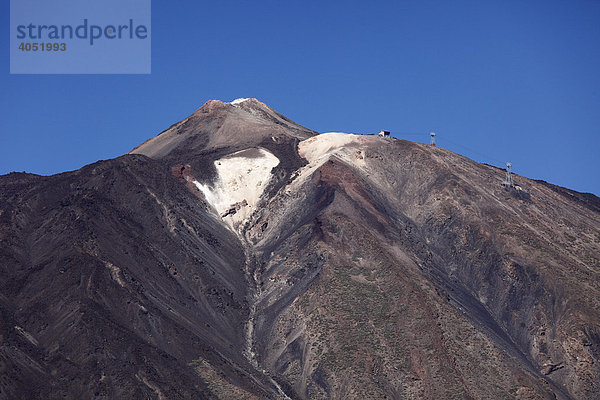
[239,255]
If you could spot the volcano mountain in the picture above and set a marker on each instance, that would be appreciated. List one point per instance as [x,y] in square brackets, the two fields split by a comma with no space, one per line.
[239,255]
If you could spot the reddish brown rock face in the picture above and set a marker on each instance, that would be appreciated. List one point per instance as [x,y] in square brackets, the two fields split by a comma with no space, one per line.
[367,268]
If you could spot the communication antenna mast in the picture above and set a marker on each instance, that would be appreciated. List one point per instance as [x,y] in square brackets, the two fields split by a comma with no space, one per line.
[432,138]
[509,181]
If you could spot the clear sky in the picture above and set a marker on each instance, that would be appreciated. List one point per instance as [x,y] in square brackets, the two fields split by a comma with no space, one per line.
[498,80]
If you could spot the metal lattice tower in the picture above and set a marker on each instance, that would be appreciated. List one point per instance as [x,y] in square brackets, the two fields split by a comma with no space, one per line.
[432,134]
[509,181]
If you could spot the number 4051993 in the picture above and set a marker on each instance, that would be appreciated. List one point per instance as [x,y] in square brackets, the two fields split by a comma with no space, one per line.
[42,46]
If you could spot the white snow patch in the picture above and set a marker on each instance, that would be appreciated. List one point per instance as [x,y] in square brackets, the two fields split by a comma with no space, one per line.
[240,100]
[325,144]
[240,176]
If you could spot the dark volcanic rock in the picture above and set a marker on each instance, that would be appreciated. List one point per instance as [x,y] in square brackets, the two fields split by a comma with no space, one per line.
[352,267]
[120,279]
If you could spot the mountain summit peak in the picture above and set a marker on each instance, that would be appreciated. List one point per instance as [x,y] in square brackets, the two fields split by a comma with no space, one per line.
[242,123]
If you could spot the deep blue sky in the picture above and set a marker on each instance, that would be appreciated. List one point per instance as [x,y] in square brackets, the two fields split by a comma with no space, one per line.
[498,80]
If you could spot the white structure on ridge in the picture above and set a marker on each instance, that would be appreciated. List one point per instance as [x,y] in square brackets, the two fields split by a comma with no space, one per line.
[509,181]
[432,134]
